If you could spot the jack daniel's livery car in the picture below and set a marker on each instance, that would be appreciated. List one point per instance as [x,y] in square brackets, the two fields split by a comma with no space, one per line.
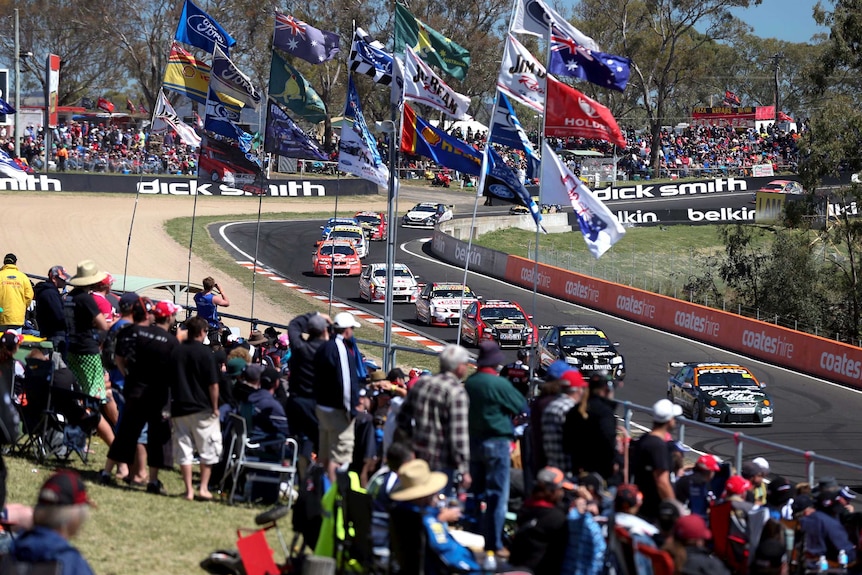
[720,393]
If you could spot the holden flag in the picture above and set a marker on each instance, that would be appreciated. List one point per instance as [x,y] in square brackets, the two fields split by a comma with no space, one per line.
[197,28]
[731,99]
[297,38]
[570,113]
[105,105]
[598,225]
[357,149]
[432,46]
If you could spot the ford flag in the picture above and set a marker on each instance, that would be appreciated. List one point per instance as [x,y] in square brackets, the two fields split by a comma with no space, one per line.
[196,28]
[226,78]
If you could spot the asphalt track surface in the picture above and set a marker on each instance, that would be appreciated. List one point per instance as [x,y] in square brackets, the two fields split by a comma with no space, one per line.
[810,414]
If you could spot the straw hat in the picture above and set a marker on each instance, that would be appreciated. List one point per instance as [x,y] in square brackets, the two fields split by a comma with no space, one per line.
[87,274]
[416,480]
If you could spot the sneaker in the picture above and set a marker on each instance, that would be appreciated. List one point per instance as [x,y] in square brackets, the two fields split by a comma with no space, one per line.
[156,488]
[106,478]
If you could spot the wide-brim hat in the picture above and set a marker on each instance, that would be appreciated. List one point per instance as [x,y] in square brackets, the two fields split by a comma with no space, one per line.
[87,274]
[416,480]
[256,337]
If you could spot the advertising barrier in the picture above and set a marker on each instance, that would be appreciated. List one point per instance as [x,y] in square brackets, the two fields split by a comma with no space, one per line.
[179,186]
[806,353]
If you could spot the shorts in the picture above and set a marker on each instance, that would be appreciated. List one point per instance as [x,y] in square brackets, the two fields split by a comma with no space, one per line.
[90,374]
[336,435]
[198,431]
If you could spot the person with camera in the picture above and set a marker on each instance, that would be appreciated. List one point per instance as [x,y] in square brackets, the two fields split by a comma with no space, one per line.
[207,303]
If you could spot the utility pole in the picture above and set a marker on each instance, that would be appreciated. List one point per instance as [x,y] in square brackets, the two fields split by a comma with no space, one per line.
[776,66]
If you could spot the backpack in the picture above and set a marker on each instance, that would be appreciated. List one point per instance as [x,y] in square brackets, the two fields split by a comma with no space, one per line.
[109,345]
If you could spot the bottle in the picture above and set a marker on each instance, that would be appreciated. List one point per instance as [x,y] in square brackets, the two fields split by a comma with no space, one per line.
[822,564]
[489,565]
[842,560]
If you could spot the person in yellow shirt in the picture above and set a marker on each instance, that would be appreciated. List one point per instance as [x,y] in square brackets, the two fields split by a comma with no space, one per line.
[16,293]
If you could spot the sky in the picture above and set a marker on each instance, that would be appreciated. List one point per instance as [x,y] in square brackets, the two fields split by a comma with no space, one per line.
[788,20]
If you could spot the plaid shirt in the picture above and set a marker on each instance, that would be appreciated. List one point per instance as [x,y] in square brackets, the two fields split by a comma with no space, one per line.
[435,416]
[553,419]
[586,549]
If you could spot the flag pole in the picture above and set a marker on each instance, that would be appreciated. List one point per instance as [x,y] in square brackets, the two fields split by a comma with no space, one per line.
[332,248]
[391,214]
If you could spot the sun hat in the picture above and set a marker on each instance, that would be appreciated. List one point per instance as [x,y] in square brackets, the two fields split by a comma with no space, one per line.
[490,355]
[416,480]
[256,337]
[664,410]
[344,320]
[87,274]
[63,488]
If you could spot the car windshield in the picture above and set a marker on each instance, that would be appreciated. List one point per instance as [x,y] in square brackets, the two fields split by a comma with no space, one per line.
[340,250]
[333,223]
[398,272]
[375,220]
[583,340]
[737,378]
[346,235]
[452,292]
[500,313]
[424,209]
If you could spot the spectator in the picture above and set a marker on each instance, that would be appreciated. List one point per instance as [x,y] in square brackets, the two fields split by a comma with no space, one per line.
[585,550]
[50,317]
[16,293]
[380,488]
[101,294]
[364,458]
[194,408]
[572,385]
[755,474]
[207,303]
[627,503]
[518,372]
[336,393]
[265,406]
[59,515]
[306,334]
[688,548]
[494,401]
[590,430]
[397,386]
[779,499]
[541,536]
[435,416]
[694,489]
[9,370]
[651,460]
[548,392]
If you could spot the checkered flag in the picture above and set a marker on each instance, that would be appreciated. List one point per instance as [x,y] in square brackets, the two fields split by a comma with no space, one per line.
[369,57]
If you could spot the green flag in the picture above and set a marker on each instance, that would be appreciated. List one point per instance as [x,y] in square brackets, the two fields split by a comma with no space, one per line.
[432,46]
[290,89]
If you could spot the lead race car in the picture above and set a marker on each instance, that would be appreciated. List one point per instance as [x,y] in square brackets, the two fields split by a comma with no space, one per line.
[719,393]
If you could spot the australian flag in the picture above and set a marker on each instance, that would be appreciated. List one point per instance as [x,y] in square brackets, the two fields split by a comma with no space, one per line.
[297,38]
[568,58]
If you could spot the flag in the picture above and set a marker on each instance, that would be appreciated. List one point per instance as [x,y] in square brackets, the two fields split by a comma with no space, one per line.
[291,90]
[507,131]
[369,57]
[423,85]
[166,117]
[285,138]
[432,46]
[421,138]
[141,108]
[534,16]
[501,182]
[105,105]
[570,113]
[9,169]
[190,77]
[223,162]
[598,225]
[87,103]
[357,149]
[198,121]
[522,76]
[6,107]
[220,120]
[196,28]
[297,38]
[226,78]
[129,106]
[568,58]
[731,99]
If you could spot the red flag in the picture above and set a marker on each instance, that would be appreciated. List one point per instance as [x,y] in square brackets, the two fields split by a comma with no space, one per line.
[105,105]
[570,113]
[141,108]
[731,99]
[130,106]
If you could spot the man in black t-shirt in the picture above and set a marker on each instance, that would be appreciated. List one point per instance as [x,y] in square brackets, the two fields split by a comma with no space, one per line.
[651,460]
[194,408]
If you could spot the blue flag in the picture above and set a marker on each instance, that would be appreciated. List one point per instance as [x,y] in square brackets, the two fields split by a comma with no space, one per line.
[285,138]
[506,130]
[357,149]
[297,38]
[420,137]
[502,183]
[220,120]
[196,28]
[5,107]
[568,58]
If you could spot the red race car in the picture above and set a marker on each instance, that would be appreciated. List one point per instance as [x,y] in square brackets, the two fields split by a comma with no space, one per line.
[374,224]
[340,254]
[499,320]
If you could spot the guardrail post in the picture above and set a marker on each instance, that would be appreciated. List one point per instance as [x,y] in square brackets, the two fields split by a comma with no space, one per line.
[809,464]
[627,418]
[737,438]
[681,434]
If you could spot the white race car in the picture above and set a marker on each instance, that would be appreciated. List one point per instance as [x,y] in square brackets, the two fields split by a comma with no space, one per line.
[426,215]
[353,234]
[372,284]
[443,303]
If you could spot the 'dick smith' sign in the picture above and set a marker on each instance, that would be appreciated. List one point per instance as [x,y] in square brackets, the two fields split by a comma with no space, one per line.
[647,190]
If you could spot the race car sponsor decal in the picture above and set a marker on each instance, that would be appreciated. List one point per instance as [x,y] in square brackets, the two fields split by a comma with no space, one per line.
[737,395]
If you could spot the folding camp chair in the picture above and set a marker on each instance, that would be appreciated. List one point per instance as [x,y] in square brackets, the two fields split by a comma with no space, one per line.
[33,400]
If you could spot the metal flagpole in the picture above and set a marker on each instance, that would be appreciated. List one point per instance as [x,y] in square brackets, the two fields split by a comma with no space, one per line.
[332,248]
[254,264]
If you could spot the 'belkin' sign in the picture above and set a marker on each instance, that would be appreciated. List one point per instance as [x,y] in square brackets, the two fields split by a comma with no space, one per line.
[175,186]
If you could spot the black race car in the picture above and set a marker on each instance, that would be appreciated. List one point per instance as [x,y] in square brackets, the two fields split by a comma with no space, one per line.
[582,346]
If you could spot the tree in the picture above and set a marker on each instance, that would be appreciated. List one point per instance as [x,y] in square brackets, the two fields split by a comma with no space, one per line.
[743,263]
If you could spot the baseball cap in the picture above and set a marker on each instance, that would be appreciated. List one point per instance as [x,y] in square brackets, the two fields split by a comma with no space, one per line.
[63,488]
[59,272]
[750,469]
[557,369]
[628,494]
[707,462]
[253,372]
[664,410]
[761,461]
[165,308]
[679,446]
[235,366]
[316,325]
[344,320]
[269,378]
[801,503]
[127,300]
[691,527]
[737,485]
[573,379]
[553,477]
[779,491]
[10,259]
[10,339]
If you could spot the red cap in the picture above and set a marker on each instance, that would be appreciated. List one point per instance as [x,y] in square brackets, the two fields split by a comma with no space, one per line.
[573,379]
[690,528]
[165,308]
[707,462]
[64,488]
[737,485]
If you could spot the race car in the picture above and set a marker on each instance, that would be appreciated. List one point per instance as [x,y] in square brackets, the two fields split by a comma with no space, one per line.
[442,303]
[499,320]
[583,346]
[372,284]
[783,187]
[336,257]
[349,233]
[374,224]
[426,215]
[720,393]
[332,222]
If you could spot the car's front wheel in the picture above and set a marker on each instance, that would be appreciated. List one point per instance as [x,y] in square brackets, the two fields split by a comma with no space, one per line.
[697,411]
